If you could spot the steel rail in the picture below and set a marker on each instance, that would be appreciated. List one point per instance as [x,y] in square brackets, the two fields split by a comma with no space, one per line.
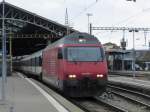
[132,93]
[118,109]
[132,99]
[79,105]
[99,102]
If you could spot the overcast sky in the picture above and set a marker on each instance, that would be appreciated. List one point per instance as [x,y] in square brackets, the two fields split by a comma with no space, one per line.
[105,13]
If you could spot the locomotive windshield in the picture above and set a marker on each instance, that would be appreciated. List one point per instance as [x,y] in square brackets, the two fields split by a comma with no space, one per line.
[84,54]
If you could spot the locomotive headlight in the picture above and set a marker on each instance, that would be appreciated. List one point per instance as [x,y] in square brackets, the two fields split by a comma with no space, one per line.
[99,75]
[82,40]
[72,76]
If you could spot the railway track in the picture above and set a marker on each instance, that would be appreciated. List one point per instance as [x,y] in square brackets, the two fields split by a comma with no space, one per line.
[96,104]
[136,100]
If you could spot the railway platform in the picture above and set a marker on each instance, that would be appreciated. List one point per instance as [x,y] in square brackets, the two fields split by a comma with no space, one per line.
[131,82]
[26,95]
[129,73]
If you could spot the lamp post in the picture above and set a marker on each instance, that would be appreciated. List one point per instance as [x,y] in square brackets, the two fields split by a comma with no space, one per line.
[88,15]
[3,54]
[10,51]
[133,50]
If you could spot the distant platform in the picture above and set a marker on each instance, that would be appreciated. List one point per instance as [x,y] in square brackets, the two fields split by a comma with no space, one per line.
[27,95]
[129,73]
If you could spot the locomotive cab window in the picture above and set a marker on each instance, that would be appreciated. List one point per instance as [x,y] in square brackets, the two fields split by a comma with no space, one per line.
[84,54]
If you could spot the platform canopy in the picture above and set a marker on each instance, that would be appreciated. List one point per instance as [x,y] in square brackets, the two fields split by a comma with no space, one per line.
[28,31]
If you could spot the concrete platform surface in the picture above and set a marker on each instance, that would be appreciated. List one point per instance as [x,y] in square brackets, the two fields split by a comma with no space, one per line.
[25,96]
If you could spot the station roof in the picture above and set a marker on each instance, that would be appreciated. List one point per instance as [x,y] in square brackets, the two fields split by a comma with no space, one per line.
[116,52]
[29,31]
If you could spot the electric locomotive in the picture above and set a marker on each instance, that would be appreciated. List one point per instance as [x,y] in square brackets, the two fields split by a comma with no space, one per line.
[75,64]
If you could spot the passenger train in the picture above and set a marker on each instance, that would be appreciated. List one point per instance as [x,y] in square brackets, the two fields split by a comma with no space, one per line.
[75,64]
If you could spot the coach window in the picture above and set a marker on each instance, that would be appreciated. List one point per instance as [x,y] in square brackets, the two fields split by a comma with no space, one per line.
[102,53]
[34,61]
[31,62]
[24,62]
[28,62]
[60,55]
[40,61]
[37,61]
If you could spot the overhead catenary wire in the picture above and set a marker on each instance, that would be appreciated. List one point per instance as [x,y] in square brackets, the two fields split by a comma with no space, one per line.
[85,9]
[126,20]
[132,17]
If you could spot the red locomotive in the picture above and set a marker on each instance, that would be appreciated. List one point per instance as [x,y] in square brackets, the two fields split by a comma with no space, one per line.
[74,64]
